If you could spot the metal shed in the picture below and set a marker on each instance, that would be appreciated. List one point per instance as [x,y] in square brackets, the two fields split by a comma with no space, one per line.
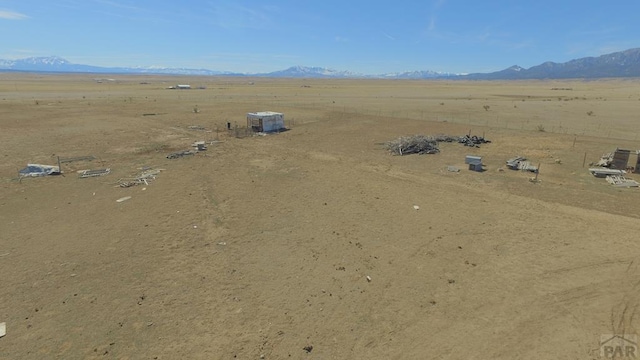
[265,121]
[471,159]
[476,167]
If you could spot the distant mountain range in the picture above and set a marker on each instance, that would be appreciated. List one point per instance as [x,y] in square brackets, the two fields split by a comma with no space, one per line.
[311,72]
[319,72]
[619,64]
[58,64]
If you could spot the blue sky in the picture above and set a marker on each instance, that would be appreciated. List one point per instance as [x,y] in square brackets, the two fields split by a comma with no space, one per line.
[369,37]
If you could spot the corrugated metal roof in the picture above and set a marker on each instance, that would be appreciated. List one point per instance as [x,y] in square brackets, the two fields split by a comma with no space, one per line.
[265,113]
[471,159]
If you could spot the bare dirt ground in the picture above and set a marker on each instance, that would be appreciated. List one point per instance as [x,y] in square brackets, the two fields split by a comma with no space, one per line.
[306,244]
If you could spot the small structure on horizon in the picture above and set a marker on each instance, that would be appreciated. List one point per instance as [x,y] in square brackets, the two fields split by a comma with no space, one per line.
[266,121]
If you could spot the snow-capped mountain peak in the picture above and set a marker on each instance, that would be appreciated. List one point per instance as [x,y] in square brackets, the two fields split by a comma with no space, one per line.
[312,71]
[43,61]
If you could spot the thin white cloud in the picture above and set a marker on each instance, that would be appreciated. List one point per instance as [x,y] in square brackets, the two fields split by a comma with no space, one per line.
[12,15]
[248,62]
[127,11]
[388,36]
[117,5]
[610,48]
[247,55]
[487,36]
[483,36]
[436,6]
[601,32]
[598,41]
[232,16]
[432,24]
[524,44]
[13,54]
[341,39]
[585,49]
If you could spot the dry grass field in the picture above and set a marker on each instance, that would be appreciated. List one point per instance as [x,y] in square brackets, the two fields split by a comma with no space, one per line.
[306,244]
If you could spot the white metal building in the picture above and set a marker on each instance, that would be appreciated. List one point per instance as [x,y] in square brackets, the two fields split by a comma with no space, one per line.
[265,121]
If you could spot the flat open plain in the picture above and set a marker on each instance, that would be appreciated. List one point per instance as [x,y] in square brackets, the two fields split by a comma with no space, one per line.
[261,246]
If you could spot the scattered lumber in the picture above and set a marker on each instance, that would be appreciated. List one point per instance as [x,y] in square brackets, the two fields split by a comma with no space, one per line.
[621,181]
[416,144]
[423,144]
[143,178]
[93,173]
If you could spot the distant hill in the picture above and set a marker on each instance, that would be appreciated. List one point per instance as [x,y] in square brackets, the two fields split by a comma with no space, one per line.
[58,64]
[619,64]
[614,65]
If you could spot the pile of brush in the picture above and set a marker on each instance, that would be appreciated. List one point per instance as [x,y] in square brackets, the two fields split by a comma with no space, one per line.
[416,144]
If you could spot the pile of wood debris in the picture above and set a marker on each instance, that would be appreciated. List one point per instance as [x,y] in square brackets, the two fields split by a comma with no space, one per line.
[145,177]
[416,144]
